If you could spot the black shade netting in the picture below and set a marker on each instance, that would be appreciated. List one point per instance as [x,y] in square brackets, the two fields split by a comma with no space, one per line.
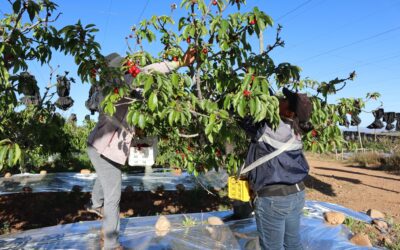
[389,118]
[63,86]
[27,84]
[64,103]
[377,123]
[398,122]
[355,120]
[72,118]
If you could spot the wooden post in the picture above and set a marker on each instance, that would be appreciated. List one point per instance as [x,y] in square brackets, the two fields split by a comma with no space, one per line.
[359,136]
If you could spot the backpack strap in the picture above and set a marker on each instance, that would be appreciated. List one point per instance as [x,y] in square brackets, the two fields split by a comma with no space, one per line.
[268,157]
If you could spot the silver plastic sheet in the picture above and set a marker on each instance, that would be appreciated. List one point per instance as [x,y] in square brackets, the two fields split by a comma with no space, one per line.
[138,233]
[64,182]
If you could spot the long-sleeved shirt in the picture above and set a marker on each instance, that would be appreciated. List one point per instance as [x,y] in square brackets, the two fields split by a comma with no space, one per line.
[112,136]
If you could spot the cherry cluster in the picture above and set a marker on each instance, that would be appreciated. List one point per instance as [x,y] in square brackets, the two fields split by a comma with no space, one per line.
[132,69]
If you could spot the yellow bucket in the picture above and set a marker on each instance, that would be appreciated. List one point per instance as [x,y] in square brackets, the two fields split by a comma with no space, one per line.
[238,189]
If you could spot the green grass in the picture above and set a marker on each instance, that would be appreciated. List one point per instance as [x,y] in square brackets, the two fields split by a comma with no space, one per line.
[366,159]
[189,221]
[355,226]
[5,228]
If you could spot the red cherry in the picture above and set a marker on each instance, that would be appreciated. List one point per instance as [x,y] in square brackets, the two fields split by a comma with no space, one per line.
[246,93]
[188,40]
[314,133]
[252,78]
[131,70]
[252,22]
[93,73]
[129,63]
[214,2]
[116,91]
[175,59]
[205,51]
[218,153]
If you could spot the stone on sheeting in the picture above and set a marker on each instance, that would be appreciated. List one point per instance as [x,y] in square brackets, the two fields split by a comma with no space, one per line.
[334,218]
[215,221]
[163,226]
[375,214]
[85,171]
[361,239]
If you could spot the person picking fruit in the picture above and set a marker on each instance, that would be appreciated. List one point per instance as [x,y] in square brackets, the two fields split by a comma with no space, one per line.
[108,149]
[276,167]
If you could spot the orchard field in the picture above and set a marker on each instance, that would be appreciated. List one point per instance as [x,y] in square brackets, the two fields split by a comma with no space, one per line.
[194,112]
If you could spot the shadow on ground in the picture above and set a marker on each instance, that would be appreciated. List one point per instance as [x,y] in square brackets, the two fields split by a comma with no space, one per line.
[316,184]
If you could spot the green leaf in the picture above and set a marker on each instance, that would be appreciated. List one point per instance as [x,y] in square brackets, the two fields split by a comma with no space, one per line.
[11,153]
[147,84]
[3,154]
[227,102]
[129,117]
[174,79]
[253,106]
[17,153]
[31,10]
[261,24]
[153,101]
[142,121]
[183,118]
[208,128]
[171,117]
[314,147]
[16,6]
[224,46]
[258,106]
[143,60]
[210,138]
[181,23]
[241,107]
[224,27]
[247,80]
[135,118]
[5,142]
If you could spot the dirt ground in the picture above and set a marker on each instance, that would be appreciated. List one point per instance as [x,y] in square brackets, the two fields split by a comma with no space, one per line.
[25,211]
[353,187]
[358,188]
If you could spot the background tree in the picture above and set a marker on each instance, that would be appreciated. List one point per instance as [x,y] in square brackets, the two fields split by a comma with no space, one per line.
[26,34]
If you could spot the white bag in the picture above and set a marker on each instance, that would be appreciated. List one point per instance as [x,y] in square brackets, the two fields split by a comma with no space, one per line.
[143,151]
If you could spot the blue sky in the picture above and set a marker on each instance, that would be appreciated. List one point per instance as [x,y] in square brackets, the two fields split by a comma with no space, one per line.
[326,38]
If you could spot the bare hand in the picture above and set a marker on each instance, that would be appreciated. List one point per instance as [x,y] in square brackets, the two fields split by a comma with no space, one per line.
[189,57]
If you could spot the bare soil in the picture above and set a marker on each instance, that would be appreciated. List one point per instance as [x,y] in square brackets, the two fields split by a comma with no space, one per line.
[25,211]
[358,188]
[354,187]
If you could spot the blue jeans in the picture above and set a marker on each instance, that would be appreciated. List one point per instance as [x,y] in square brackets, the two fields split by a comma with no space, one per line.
[278,221]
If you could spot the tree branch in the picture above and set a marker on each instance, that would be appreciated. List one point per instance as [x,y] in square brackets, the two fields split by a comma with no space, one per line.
[188,136]
[29,28]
